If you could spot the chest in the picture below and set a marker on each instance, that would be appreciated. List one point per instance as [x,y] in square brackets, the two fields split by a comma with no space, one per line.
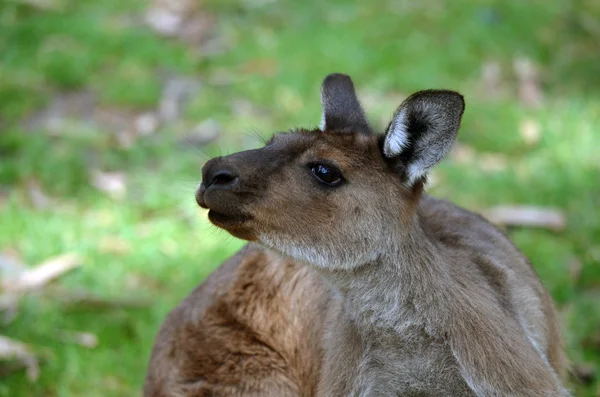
[414,364]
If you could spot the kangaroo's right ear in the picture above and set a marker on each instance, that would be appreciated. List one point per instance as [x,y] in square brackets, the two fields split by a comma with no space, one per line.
[341,109]
[423,131]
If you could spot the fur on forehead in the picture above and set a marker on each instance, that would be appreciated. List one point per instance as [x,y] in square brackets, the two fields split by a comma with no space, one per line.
[353,147]
[355,140]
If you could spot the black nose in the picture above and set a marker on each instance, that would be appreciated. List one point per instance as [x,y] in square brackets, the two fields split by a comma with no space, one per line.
[220,175]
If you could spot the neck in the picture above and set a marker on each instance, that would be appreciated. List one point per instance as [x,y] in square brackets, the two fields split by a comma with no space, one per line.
[403,286]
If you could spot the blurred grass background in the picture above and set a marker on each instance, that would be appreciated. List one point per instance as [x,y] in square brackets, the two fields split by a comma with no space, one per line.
[108,110]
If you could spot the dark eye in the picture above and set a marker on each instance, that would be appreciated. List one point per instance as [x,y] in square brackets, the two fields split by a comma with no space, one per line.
[326,173]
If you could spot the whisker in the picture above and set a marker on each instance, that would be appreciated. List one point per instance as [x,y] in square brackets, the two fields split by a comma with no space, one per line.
[198,152]
[255,133]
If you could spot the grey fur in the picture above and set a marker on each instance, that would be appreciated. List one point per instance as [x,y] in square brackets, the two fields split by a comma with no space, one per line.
[403,324]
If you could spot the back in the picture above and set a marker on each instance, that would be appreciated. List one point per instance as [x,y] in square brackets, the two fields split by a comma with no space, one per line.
[500,265]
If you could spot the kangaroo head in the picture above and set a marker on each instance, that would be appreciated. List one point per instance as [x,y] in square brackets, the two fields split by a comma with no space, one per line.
[335,197]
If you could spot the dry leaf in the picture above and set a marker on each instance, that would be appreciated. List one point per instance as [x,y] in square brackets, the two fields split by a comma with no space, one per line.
[166,16]
[44,5]
[114,245]
[575,266]
[61,111]
[215,46]
[491,76]
[288,98]
[260,66]
[492,162]
[527,216]
[37,196]
[85,339]
[530,132]
[205,132]
[11,267]
[181,19]
[3,197]
[592,341]
[11,264]
[73,112]
[245,108]
[169,247]
[434,178]
[196,31]
[176,93]
[84,300]
[585,372]
[164,21]
[223,76]
[119,122]
[381,104]
[42,274]
[13,350]
[462,154]
[111,183]
[146,123]
[527,74]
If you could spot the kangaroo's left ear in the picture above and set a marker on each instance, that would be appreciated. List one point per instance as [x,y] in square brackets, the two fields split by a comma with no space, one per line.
[422,131]
[341,109]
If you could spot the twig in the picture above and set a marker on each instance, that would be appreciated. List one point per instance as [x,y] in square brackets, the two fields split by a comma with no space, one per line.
[85,300]
[42,274]
[39,4]
[85,339]
[527,216]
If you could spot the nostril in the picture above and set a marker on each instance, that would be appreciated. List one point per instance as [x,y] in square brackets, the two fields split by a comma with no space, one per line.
[224,177]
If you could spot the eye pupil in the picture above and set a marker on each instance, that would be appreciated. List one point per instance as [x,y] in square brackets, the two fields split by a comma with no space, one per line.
[327,174]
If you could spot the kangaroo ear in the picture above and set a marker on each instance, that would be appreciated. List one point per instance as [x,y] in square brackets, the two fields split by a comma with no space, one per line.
[422,131]
[341,109]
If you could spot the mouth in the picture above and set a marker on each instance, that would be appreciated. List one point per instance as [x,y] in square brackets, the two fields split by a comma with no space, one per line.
[236,225]
[232,221]
[222,220]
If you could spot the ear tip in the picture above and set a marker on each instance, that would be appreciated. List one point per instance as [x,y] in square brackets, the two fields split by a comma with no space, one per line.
[454,95]
[336,75]
[453,98]
[439,92]
[461,101]
[458,98]
[337,78]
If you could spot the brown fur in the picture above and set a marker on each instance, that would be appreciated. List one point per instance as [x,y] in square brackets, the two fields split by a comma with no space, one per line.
[251,329]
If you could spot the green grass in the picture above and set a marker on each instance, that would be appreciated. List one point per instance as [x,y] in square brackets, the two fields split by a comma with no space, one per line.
[277,54]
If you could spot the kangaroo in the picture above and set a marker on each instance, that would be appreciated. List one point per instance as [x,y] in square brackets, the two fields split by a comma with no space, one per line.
[423,298]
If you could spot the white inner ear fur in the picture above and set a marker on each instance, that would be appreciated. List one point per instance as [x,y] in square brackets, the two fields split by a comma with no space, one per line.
[397,136]
[397,139]
[416,171]
[322,125]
